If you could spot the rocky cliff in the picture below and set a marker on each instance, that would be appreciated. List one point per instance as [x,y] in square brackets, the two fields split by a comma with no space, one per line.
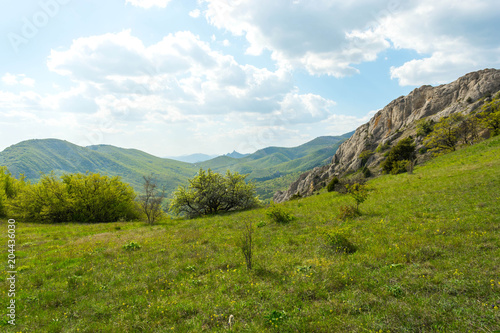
[396,121]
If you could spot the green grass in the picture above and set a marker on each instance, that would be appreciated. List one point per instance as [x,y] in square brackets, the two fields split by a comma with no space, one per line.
[427,259]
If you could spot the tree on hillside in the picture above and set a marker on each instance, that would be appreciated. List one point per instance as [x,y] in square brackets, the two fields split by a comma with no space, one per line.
[468,130]
[424,127]
[210,193]
[445,135]
[490,117]
[359,192]
[399,157]
[151,200]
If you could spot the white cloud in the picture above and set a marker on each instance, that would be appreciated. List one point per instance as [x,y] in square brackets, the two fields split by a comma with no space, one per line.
[454,37]
[331,37]
[306,108]
[195,13]
[339,124]
[178,82]
[324,37]
[148,3]
[19,79]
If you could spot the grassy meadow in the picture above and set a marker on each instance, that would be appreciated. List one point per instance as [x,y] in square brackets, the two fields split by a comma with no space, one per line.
[427,260]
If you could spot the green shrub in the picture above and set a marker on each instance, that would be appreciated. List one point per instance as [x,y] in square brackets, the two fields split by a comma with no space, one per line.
[278,214]
[399,167]
[275,318]
[364,156]
[403,150]
[338,242]
[132,246]
[88,198]
[347,212]
[382,147]
[366,172]
[331,185]
[424,127]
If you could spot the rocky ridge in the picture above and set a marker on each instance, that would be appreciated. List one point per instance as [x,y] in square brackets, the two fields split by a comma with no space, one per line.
[396,121]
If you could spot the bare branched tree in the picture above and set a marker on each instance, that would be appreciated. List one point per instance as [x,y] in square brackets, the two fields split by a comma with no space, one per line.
[246,243]
[151,200]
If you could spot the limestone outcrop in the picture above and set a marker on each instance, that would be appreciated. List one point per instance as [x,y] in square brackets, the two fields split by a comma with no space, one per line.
[397,120]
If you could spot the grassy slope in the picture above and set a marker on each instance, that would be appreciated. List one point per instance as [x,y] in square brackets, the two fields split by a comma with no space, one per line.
[428,260]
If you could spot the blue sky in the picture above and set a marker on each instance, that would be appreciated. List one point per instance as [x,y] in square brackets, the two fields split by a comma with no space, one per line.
[174,77]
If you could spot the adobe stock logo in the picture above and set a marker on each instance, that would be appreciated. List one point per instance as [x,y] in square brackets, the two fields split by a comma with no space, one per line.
[32,25]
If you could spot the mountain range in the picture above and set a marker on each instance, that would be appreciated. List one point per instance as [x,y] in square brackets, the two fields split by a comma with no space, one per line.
[281,171]
[272,168]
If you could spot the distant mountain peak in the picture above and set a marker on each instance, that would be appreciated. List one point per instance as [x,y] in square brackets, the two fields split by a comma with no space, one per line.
[192,158]
[235,154]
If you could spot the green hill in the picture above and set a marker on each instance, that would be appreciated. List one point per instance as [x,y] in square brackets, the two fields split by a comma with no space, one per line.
[34,157]
[427,260]
[272,168]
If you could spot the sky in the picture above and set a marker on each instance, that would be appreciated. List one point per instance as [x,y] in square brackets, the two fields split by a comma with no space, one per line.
[176,77]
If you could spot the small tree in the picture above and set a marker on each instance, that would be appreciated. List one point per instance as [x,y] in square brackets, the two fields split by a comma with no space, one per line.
[490,117]
[445,136]
[424,127]
[468,130]
[398,156]
[210,193]
[151,201]
[359,192]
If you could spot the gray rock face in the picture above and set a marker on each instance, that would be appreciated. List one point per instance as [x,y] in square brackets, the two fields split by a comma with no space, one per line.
[397,120]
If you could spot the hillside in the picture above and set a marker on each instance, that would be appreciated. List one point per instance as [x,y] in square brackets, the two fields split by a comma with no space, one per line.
[427,260]
[274,162]
[272,168]
[396,121]
[44,156]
